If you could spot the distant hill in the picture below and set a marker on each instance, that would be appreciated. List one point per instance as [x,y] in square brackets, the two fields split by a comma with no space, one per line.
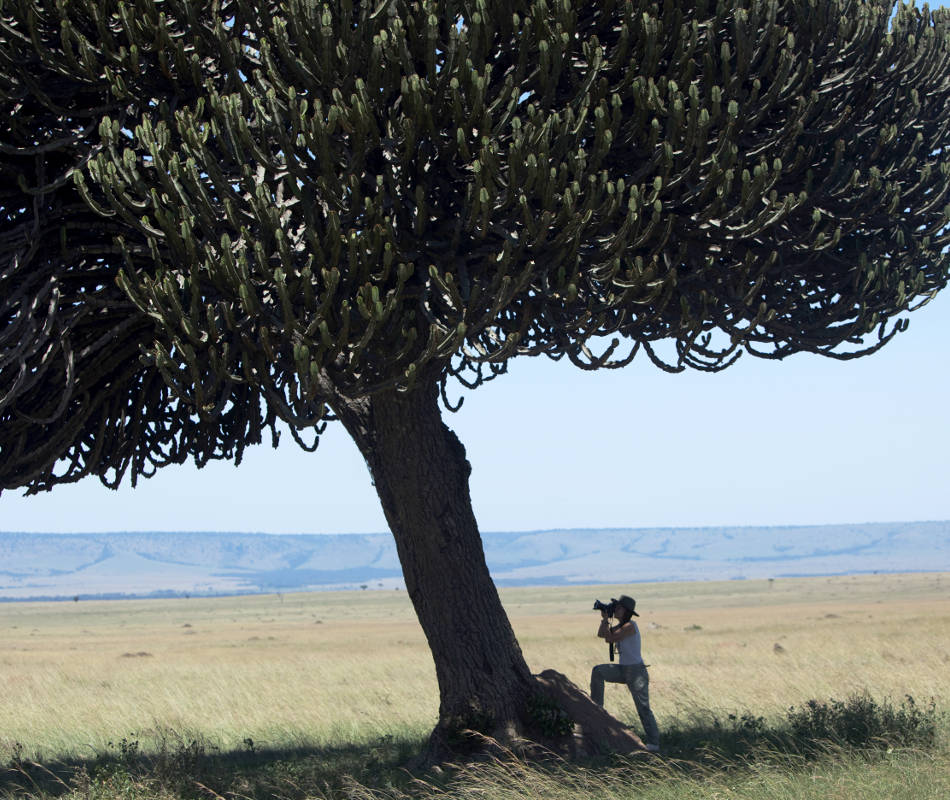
[38,565]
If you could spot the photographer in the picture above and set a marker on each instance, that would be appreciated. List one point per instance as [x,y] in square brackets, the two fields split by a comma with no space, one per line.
[630,670]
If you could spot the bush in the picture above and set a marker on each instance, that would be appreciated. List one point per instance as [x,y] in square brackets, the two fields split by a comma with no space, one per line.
[548,717]
[861,721]
[858,722]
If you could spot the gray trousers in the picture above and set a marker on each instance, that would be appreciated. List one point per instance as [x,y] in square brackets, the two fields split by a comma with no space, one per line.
[638,682]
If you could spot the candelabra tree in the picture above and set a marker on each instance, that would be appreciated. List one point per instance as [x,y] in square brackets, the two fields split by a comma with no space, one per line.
[216,216]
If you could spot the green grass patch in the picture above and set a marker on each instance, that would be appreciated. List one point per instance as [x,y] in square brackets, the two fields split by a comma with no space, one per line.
[843,775]
[856,748]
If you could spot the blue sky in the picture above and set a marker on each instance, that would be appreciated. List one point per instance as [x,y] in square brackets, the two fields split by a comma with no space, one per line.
[802,441]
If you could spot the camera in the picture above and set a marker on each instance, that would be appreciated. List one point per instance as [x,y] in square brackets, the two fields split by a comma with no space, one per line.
[610,608]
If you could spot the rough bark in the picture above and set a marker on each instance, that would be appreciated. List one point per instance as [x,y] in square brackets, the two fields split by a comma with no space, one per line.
[421,474]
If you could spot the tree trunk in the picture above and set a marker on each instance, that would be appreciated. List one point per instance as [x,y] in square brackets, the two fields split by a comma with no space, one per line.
[421,475]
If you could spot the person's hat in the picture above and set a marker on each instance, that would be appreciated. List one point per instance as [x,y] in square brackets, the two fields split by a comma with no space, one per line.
[628,603]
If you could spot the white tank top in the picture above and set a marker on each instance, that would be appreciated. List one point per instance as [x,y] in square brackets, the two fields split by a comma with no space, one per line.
[629,648]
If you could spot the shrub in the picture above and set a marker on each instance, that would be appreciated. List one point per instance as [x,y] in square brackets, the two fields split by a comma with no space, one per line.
[858,722]
[548,717]
[861,721]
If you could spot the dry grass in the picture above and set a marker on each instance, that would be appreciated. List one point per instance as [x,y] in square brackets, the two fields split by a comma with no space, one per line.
[303,669]
[333,668]
[765,646]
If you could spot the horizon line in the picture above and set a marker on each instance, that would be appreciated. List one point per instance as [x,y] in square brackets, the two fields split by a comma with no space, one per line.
[487,532]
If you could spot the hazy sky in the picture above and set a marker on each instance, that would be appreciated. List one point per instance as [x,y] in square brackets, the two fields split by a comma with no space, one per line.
[801,441]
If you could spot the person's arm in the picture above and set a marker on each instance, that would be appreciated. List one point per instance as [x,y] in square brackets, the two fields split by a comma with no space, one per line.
[613,635]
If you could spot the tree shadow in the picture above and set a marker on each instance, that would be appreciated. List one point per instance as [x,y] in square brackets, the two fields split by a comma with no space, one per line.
[191,767]
[705,743]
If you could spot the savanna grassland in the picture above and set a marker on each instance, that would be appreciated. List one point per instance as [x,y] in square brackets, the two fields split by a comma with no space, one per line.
[330,694]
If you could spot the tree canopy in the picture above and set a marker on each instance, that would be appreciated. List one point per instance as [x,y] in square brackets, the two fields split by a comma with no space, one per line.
[216,215]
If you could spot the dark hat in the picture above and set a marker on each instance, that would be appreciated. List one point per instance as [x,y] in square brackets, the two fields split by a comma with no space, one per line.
[628,603]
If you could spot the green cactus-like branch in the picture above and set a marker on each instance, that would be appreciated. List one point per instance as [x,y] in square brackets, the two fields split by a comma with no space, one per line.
[242,211]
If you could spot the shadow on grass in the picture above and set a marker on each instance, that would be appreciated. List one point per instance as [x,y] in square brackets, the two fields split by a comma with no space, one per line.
[190,768]
[193,768]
